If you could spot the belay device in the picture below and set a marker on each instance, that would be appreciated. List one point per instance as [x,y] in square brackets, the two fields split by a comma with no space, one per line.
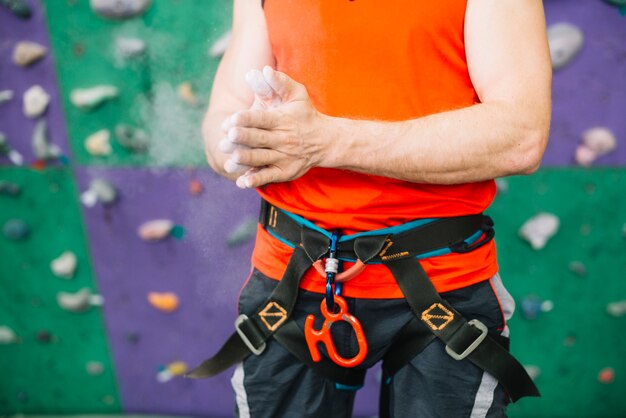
[399,248]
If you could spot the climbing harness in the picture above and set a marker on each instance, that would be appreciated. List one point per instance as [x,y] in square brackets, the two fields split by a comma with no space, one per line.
[399,248]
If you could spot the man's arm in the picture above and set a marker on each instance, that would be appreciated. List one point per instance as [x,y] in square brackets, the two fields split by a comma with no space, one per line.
[505,134]
[249,47]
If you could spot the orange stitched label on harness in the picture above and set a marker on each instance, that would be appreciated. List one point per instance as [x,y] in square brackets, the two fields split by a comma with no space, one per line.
[273,315]
[437,317]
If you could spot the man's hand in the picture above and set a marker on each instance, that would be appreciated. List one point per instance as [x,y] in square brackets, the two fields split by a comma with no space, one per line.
[279,137]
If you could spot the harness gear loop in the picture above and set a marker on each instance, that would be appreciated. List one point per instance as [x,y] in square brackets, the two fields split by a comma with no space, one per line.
[324,336]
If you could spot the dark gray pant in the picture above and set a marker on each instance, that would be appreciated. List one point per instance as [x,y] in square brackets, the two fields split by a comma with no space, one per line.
[275,384]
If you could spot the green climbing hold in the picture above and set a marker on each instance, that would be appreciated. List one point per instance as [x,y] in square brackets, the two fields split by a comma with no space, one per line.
[178,232]
[16,230]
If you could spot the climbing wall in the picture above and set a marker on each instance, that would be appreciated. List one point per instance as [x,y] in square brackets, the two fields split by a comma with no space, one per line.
[112,336]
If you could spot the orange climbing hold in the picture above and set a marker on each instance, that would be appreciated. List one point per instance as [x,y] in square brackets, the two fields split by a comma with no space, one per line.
[165,302]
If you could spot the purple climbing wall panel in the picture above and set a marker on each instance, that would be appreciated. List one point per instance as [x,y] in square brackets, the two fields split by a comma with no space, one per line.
[17,127]
[200,268]
[589,91]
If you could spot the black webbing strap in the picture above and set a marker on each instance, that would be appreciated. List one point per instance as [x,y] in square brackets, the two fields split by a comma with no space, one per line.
[254,331]
[460,336]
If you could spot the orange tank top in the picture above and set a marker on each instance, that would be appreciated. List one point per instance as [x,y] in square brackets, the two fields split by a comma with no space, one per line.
[375,60]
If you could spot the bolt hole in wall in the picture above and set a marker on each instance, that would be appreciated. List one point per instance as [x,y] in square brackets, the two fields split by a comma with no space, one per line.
[122,254]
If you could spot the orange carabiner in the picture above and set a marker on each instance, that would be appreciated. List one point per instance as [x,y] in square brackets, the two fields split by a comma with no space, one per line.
[324,336]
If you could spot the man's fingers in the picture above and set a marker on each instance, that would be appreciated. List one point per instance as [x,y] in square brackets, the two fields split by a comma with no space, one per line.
[259,177]
[233,167]
[256,157]
[287,88]
[265,96]
[252,137]
[255,118]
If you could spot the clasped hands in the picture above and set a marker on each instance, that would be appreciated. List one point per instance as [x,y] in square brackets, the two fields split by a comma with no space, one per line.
[279,138]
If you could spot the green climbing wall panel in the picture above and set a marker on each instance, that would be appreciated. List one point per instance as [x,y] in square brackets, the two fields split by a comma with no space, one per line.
[178,41]
[37,375]
[578,338]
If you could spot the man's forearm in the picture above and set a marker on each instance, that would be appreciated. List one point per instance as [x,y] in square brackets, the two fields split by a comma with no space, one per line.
[477,143]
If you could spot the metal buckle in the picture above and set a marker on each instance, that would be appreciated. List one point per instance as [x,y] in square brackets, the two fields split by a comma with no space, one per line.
[483,334]
[241,319]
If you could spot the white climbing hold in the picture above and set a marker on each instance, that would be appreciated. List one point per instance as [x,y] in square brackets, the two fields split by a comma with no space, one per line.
[7,335]
[5,96]
[565,41]
[130,47]
[119,9]
[100,190]
[27,53]
[36,101]
[155,230]
[98,143]
[539,229]
[42,148]
[90,98]
[65,265]
[219,46]
[79,301]
[617,309]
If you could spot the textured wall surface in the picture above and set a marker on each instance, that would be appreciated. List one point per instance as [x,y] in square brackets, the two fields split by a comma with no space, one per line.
[45,371]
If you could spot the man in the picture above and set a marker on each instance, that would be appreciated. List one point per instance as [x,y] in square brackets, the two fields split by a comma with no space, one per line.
[377,116]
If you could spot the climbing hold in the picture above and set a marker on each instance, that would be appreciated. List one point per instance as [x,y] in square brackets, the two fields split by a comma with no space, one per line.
[195,187]
[5,96]
[533,306]
[7,335]
[5,149]
[42,148]
[502,185]
[606,375]
[9,189]
[130,47]
[219,46]
[27,53]
[65,265]
[133,139]
[35,102]
[133,337]
[100,190]
[19,8]
[22,396]
[565,41]
[185,92]
[243,232]
[79,301]
[617,309]
[539,229]
[155,230]
[119,9]
[164,302]
[90,98]
[45,337]
[16,229]
[569,340]
[177,368]
[533,371]
[578,268]
[177,232]
[98,143]
[94,368]
[596,142]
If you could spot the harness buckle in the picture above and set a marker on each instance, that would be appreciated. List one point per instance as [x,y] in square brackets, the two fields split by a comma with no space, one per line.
[240,320]
[483,334]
